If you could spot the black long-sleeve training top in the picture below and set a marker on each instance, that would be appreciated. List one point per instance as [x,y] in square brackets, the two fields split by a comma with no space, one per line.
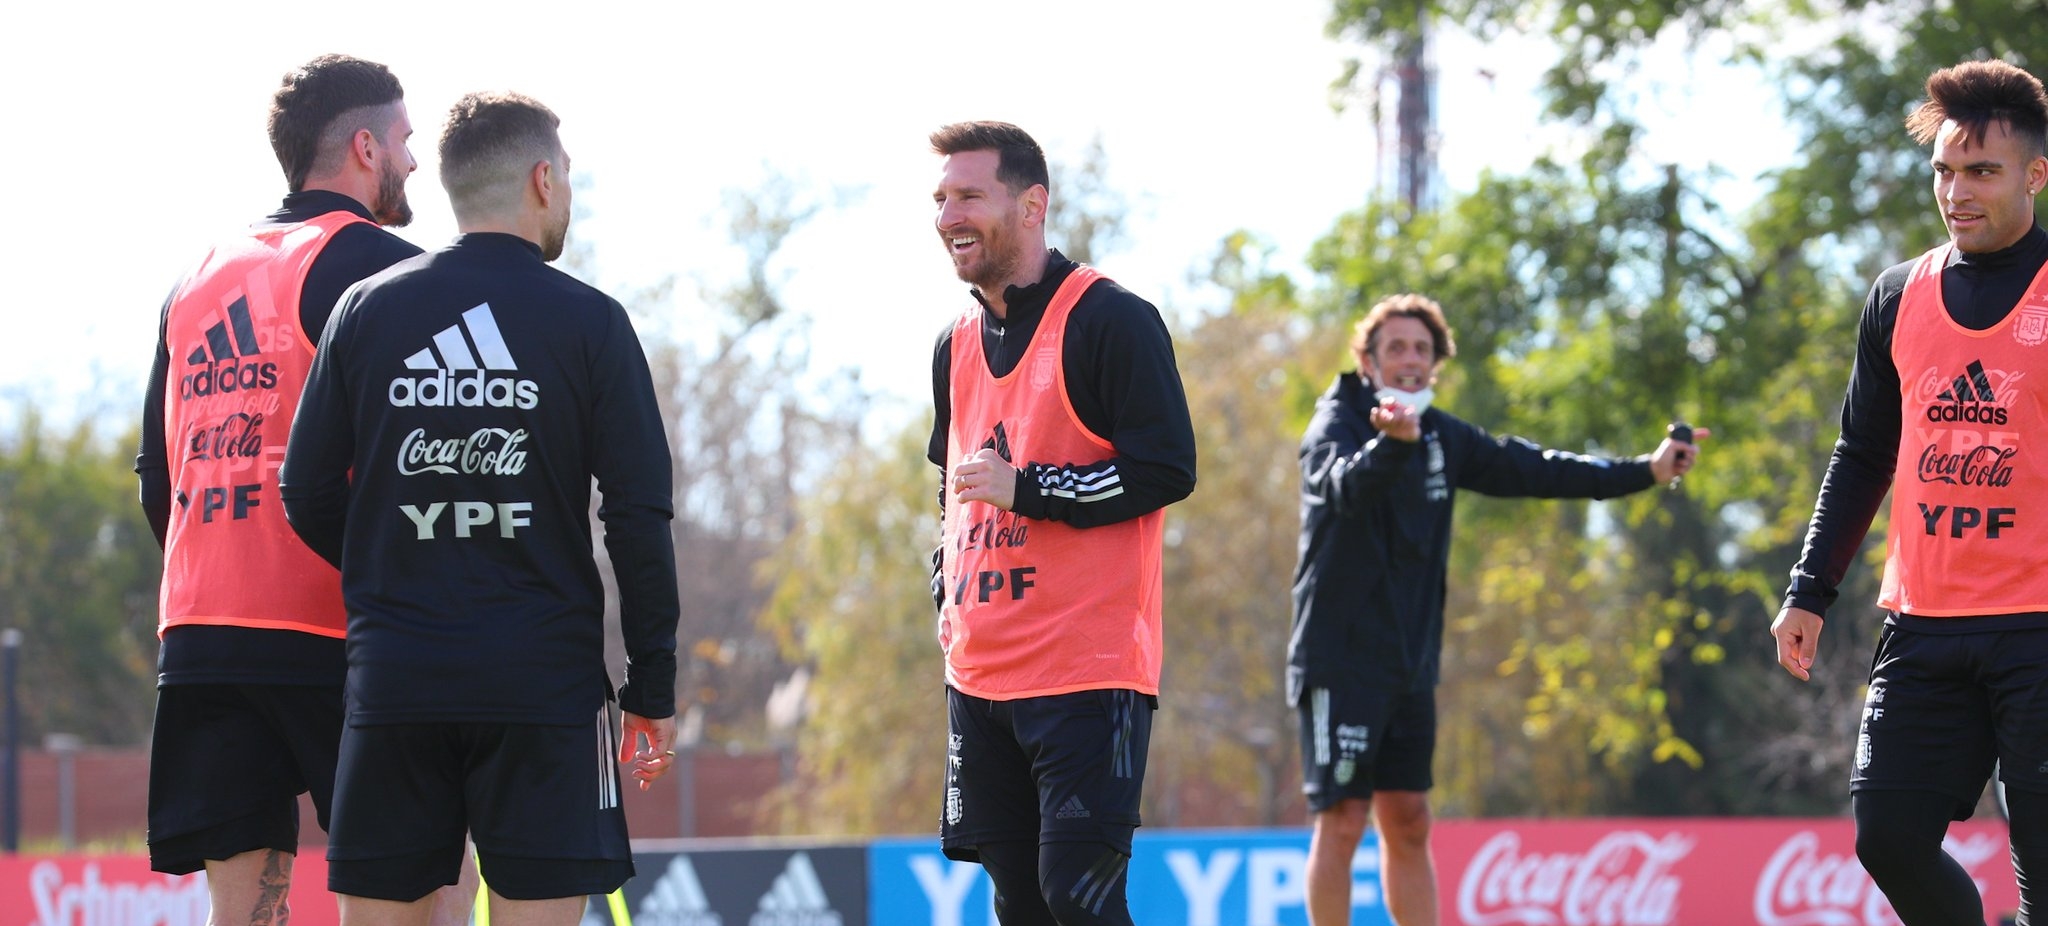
[457,410]
[207,654]
[1980,290]
[1376,532]
[1124,387]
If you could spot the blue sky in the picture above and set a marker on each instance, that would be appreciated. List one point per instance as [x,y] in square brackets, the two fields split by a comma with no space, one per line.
[145,141]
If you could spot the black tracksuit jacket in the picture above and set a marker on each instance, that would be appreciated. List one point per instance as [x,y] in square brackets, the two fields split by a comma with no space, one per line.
[457,410]
[1124,387]
[1376,533]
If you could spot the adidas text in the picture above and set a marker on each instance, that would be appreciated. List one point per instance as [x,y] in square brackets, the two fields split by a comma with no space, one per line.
[475,390]
[1973,413]
[223,377]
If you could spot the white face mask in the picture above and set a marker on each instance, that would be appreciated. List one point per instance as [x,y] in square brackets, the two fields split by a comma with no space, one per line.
[1418,400]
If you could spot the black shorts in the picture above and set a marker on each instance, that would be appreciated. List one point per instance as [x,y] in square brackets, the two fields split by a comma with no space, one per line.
[540,802]
[1943,707]
[1059,768]
[1356,740]
[227,764]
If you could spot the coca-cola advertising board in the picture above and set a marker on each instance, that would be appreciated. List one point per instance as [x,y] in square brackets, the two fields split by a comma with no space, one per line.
[1684,872]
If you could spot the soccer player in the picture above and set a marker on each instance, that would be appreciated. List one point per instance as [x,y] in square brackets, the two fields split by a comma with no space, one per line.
[1950,381]
[249,674]
[459,408]
[1062,432]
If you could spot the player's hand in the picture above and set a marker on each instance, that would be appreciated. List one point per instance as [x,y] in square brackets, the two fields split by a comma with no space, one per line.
[1675,458]
[1797,631]
[983,477]
[1397,420]
[652,758]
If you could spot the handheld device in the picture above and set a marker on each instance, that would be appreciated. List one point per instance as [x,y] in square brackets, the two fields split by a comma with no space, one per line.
[1681,432]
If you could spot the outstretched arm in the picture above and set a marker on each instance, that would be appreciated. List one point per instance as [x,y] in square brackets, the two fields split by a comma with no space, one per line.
[1511,467]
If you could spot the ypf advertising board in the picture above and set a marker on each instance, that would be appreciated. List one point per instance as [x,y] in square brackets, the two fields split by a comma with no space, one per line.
[1177,878]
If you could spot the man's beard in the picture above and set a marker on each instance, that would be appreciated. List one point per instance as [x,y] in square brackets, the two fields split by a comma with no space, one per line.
[552,241]
[999,261]
[392,210]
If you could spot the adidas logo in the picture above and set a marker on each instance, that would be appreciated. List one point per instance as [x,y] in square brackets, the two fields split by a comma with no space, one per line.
[1968,399]
[221,357]
[1072,810]
[998,442]
[797,898]
[677,899]
[1973,385]
[461,375]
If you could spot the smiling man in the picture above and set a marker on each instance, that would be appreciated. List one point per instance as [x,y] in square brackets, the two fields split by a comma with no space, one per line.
[1379,472]
[1946,407]
[1062,431]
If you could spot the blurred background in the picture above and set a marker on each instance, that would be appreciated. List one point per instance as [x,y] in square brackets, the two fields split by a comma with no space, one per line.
[1631,211]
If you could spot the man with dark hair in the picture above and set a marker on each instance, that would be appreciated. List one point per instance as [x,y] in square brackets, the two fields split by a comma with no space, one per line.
[460,405]
[1950,384]
[249,700]
[323,108]
[1062,433]
[1380,470]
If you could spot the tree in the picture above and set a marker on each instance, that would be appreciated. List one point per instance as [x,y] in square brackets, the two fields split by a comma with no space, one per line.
[1594,297]
[752,428]
[854,603]
[1223,748]
[79,571]
[1087,215]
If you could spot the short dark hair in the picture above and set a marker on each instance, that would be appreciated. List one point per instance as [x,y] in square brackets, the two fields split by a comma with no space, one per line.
[320,105]
[490,141]
[1366,336]
[1977,93]
[1020,163]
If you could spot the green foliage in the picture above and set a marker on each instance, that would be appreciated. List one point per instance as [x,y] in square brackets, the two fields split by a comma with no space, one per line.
[1087,219]
[852,600]
[1223,749]
[1594,40]
[78,577]
[1625,644]
[753,426]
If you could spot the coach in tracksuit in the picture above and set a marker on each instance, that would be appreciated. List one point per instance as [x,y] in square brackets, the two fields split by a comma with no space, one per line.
[1380,470]
[459,407]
